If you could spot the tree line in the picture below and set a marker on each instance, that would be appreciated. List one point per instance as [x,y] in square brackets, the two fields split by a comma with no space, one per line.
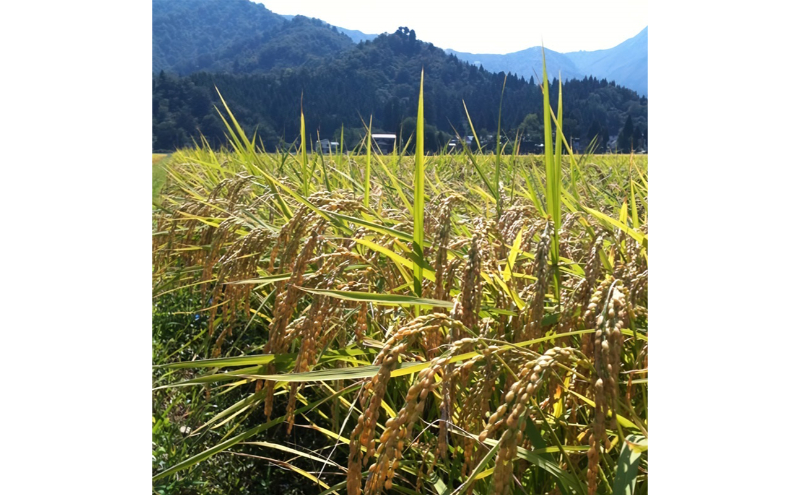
[380,79]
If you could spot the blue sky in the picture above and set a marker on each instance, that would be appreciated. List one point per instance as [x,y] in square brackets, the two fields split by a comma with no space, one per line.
[486,27]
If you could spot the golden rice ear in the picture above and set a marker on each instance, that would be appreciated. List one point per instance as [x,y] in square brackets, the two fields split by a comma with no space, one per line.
[512,415]
[285,304]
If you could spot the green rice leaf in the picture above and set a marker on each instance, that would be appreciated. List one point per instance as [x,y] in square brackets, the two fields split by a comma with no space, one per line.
[628,464]
[241,437]
[381,299]
[419,193]
[221,362]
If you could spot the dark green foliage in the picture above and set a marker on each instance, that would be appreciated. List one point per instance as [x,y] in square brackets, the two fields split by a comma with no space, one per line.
[182,112]
[627,140]
[181,334]
[531,129]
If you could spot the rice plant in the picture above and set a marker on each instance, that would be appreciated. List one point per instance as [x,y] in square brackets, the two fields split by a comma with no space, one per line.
[441,333]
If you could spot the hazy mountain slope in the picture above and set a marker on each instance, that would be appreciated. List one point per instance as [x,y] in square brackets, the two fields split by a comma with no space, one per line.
[354,34]
[626,63]
[185,30]
[525,63]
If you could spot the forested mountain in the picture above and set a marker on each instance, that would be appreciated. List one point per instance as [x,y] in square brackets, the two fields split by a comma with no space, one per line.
[294,43]
[380,78]
[240,37]
[187,30]
[626,63]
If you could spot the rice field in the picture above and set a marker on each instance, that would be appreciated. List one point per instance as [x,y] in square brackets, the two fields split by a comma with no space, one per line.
[469,323]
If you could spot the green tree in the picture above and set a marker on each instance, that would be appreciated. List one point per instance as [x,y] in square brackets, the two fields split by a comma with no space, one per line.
[625,141]
[593,131]
[531,129]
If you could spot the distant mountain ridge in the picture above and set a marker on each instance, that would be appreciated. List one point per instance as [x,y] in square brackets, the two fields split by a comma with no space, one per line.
[379,79]
[265,65]
[354,34]
[522,63]
[626,63]
[240,36]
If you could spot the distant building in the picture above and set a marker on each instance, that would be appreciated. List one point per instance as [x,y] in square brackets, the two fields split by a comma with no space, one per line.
[530,148]
[384,143]
[456,144]
[326,146]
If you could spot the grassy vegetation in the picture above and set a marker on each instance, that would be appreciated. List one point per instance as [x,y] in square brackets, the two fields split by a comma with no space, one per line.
[448,324]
